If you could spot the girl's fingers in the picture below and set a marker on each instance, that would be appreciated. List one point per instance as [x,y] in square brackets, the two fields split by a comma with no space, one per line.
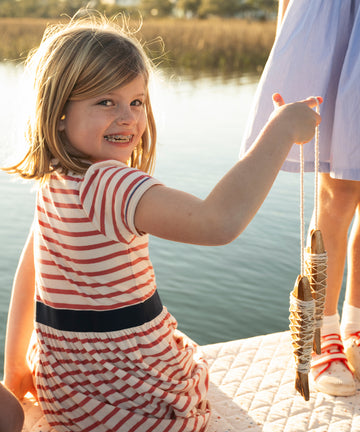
[277,100]
[313,101]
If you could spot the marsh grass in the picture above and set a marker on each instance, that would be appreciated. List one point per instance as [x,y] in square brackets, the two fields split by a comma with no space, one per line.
[224,45]
[18,36]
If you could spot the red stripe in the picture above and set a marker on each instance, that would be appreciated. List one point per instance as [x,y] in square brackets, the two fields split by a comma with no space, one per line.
[160,410]
[185,423]
[101,272]
[103,203]
[94,307]
[58,204]
[123,421]
[109,284]
[97,273]
[97,296]
[59,177]
[154,426]
[87,414]
[126,200]
[64,352]
[96,259]
[87,186]
[104,197]
[96,371]
[63,191]
[170,427]
[80,283]
[44,388]
[94,197]
[88,247]
[117,340]
[138,424]
[63,219]
[82,384]
[106,418]
[122,210]
[68,233]
[113,204]
[130,290]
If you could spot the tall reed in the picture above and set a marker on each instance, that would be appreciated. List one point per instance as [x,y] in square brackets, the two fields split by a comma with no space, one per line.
[225,45]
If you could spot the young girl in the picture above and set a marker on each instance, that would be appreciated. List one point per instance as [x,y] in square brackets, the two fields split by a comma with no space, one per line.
[106,355]
[317,52]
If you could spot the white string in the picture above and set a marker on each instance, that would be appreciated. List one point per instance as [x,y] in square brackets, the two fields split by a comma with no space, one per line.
[302,331]
[316,173]
[316,272]
[302,223]
[316,192]
[304,313]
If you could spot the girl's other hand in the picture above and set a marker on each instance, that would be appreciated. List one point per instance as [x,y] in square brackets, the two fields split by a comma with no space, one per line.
[297,119]
[20,383]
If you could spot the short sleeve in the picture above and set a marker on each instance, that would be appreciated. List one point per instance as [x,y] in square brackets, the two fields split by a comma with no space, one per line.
[109,195]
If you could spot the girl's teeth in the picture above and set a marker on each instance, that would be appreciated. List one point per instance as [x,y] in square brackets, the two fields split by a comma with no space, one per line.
[118,138]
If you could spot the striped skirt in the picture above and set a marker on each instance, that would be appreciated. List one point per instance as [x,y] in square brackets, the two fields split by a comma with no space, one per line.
[143,378]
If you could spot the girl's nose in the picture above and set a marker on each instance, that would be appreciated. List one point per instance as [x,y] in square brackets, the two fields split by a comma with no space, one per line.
[125,116]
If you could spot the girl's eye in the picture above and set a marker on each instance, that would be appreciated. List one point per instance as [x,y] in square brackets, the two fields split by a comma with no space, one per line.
[106,102]
[137,103]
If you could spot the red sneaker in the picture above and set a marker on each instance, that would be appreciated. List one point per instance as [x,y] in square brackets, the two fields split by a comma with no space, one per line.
[330,370]
[352,351]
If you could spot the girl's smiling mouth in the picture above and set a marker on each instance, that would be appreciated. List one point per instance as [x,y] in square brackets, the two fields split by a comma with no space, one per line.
[119,138]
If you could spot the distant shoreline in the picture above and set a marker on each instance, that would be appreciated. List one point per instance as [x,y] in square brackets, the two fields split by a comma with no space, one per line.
[224,45]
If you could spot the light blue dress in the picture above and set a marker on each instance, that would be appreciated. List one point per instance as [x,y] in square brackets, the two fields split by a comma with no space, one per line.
[317,52]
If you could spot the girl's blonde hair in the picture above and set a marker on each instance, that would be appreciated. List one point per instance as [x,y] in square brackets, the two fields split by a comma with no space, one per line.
[82,59]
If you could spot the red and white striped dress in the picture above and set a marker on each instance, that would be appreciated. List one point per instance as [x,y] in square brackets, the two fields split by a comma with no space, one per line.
[108,356]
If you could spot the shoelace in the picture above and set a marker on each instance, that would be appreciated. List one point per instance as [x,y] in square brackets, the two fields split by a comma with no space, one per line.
[332,349]
[356,337]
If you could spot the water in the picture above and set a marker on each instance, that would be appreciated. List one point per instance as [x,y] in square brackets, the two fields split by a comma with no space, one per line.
[216,293]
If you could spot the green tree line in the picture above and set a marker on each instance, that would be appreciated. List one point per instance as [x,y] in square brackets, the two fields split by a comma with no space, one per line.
[154,8]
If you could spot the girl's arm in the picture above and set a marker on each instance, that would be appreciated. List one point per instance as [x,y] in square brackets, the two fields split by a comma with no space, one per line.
[233,202]
[17,376]
[283,4]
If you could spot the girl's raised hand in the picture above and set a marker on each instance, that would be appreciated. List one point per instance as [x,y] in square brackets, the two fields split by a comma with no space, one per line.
[297,119]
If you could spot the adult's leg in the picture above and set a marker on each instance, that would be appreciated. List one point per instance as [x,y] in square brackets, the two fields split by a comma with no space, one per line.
[353,276]
[338,201]
[350,320]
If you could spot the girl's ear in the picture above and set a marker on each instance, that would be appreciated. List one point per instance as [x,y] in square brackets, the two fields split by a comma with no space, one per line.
[61,126]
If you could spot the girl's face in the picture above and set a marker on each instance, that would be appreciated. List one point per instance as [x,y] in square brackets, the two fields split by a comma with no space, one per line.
[108,126]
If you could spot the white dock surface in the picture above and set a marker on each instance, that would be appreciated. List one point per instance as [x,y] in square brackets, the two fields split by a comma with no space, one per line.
[252,390]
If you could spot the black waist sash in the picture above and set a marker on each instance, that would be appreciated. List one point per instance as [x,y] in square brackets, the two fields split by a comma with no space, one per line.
[99,321]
